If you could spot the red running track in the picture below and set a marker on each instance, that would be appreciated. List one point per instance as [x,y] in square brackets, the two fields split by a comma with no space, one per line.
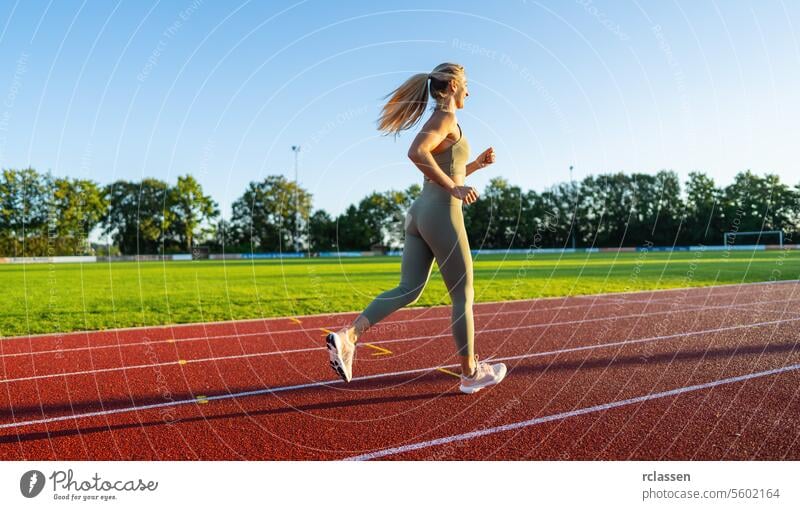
[707,373]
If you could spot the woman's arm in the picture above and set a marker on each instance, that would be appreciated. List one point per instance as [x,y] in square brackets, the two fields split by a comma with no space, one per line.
[474,166]
[431,135]
[483,160]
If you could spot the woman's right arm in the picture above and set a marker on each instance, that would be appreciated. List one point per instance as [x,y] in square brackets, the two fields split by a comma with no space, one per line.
[432,134]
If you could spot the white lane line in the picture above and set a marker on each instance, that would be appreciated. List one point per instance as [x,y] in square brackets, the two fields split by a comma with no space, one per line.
[397,340]
[750,308]
[374,376]
[569,414]
[534,300]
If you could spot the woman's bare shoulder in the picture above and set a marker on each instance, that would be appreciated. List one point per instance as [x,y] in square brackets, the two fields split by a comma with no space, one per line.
[440,121]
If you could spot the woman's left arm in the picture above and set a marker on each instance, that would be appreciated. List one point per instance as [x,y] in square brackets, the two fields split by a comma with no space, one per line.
[485,158]
[474,166]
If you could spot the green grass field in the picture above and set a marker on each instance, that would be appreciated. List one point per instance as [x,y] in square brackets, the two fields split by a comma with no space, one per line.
[44,298]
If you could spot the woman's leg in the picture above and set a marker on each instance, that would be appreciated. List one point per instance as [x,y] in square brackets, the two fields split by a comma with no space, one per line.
[448,239]
[415,269]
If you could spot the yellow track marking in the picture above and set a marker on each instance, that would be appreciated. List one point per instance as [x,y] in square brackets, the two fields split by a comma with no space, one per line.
[326,331]
[448,372]
[182,362]
[381,350]
[201,399]
[295,320]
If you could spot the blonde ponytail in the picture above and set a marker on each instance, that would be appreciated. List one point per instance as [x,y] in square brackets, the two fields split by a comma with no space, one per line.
[408,101]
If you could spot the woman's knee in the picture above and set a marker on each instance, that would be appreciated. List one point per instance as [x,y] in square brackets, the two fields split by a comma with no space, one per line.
[413,286]
[463,293]
[405,294]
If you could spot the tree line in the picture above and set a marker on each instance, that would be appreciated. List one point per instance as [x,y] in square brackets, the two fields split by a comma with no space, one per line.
[43,215]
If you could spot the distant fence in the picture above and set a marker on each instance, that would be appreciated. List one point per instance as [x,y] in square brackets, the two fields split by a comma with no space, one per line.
[390,253]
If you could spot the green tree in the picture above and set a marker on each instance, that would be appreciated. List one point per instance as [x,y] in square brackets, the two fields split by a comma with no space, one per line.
[558,211]
[621,208]
[225,238]
[794,235]
[478,223]
[191,211]
[384,215]
[353,231]
[321,232]
[702,211]
[665,223]
[80,205]
[493,221]
[532,224]
[121,218]
[755,203]
[265,214]
[411,193]
[137,218]
[25,212]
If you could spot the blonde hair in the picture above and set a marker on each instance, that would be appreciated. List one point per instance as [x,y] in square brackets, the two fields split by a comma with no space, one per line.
[408,101]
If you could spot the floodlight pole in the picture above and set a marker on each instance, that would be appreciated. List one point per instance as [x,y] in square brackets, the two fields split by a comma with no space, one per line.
[574,202]
[296,150]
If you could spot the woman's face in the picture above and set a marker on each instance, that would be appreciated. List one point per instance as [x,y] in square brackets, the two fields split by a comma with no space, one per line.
[461,92]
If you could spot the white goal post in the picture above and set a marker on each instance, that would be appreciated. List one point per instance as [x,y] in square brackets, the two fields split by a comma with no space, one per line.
[758,233]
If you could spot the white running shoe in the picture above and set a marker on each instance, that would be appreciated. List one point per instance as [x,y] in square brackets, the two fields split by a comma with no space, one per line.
[341,351]
[485,375]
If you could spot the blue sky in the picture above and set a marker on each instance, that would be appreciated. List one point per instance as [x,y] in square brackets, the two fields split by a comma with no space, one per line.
[222,90]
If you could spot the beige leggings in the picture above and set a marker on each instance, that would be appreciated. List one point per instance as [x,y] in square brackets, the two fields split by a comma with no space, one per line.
[434,228]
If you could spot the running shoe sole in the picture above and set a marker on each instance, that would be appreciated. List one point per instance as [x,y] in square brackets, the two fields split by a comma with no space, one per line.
[334,344]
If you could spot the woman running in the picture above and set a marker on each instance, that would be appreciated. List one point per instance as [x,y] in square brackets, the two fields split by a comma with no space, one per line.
[434,224]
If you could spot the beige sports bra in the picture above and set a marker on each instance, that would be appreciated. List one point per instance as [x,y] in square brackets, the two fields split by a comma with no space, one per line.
[453,160]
